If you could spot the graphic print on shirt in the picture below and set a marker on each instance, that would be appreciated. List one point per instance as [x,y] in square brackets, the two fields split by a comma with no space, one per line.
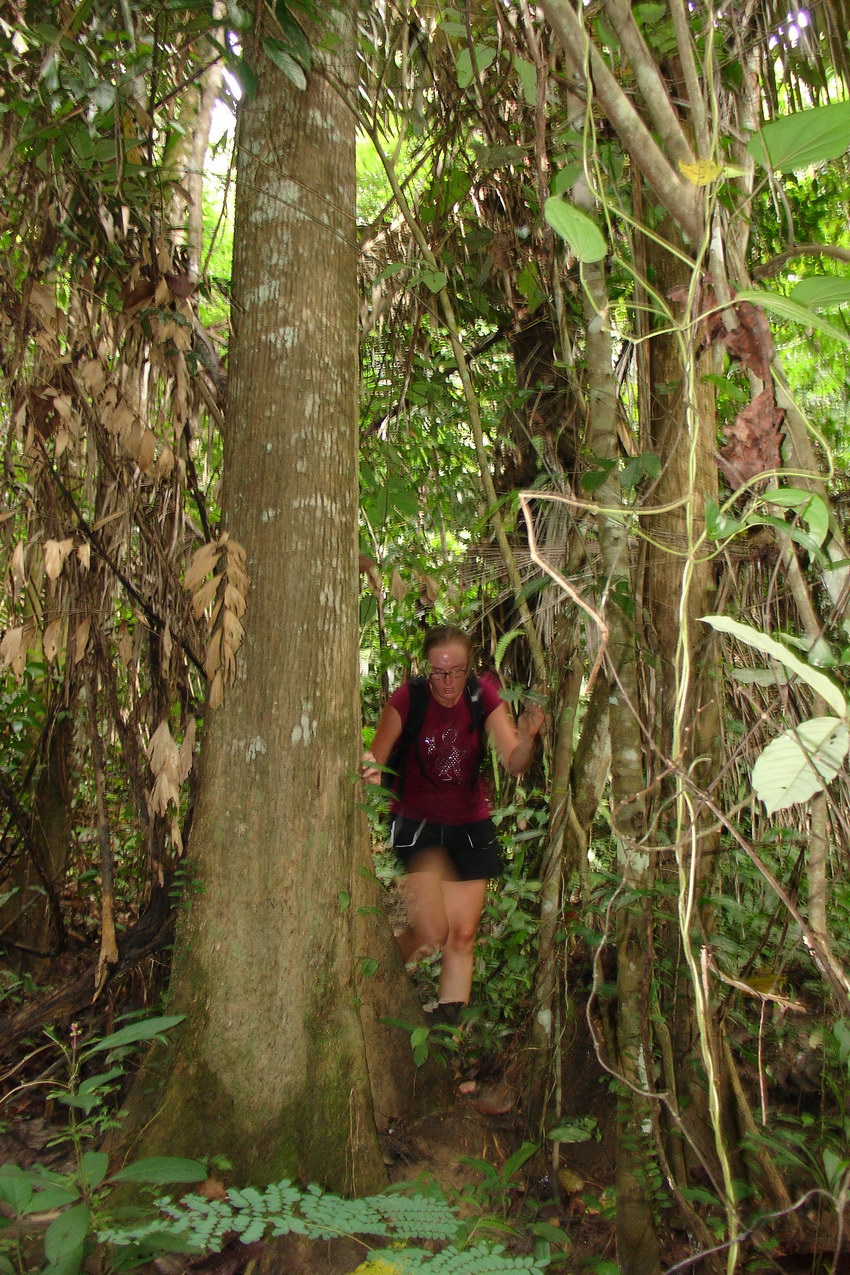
[445,760]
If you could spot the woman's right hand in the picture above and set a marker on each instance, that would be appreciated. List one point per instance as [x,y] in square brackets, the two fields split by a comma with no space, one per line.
[370,771]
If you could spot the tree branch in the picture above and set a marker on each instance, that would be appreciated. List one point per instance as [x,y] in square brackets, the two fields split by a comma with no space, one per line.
[680,198]
[772,267]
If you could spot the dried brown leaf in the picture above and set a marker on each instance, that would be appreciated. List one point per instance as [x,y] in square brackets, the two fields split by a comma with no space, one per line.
[176,837]
[118,419]
[53,640]
[212,663]
[233,631]
[397,587]
[432,588]
[55,556]
[17,566]
[204,595]
[93,376]
[165,793]
[147,451]
[162,751]
[754,439]
[19,663]
[11,644]
[165,462]
[751,342]
[81,638]
[42,302]
[234,600]
[216,691]
[201,565]
[368,566]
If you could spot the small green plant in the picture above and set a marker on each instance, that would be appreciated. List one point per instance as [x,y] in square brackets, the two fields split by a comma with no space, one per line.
[82,1193]
[439,1040]
[499,1186]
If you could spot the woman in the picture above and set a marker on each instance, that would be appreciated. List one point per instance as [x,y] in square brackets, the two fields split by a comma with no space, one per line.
[442,832]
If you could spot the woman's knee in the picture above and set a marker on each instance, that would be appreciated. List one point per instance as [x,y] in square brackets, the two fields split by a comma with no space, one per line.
[461,938]
[432,936]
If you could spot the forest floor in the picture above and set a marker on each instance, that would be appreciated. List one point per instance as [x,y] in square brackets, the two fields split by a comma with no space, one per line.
[475,1145]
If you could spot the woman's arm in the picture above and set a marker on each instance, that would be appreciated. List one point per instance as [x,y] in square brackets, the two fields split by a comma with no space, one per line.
[515,743]
[389,729]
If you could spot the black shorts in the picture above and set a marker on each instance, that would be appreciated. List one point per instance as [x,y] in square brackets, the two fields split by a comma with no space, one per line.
[472,849]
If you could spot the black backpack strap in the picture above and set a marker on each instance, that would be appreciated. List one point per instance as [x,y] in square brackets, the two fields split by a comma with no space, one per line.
[409,734]
[476,709]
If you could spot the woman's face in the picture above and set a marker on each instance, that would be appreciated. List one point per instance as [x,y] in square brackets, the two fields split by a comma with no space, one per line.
[447,674]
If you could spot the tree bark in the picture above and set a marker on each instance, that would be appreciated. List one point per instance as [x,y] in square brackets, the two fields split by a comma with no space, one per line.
[637,1241]
[269,1067]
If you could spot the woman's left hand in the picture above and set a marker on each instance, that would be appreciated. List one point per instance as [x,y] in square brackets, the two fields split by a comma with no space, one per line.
[531,721]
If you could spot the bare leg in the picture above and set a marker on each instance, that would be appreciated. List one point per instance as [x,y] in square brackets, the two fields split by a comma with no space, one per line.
[463,903]
[427,923]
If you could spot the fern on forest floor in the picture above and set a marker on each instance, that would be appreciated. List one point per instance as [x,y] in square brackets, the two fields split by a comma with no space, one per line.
[198,1225]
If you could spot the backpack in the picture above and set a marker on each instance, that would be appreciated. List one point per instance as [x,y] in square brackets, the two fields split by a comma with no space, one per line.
[393,776]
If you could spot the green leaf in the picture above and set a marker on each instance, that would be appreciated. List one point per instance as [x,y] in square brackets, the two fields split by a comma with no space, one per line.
[788,309]
[159,1169]
[803,138]
[133,1033]
[434,280]
[15,1187]
[503,644]
[283,59]
[564,177]
[81,1102]
[759,641]
[631,473]
[101,1081]
[490,157]
[93,1167]
[528,282]
[394,268]
[518,1159]
[368,966]
[796,534]
[52,1197]
[484,57]
[527,73]
[65,1236]
[801,762]
[835,1168]
[719,525]
[758,676]
[813,508]
[581,233]
[580,1130]
[823,290]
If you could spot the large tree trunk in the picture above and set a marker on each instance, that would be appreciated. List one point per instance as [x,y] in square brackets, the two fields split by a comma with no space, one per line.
[637,1241]
[269,1067]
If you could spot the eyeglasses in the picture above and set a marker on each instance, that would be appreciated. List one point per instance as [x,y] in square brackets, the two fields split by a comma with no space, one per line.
[440,675]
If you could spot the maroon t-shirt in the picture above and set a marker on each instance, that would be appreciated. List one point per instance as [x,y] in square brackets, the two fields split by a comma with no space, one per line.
[438,768]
